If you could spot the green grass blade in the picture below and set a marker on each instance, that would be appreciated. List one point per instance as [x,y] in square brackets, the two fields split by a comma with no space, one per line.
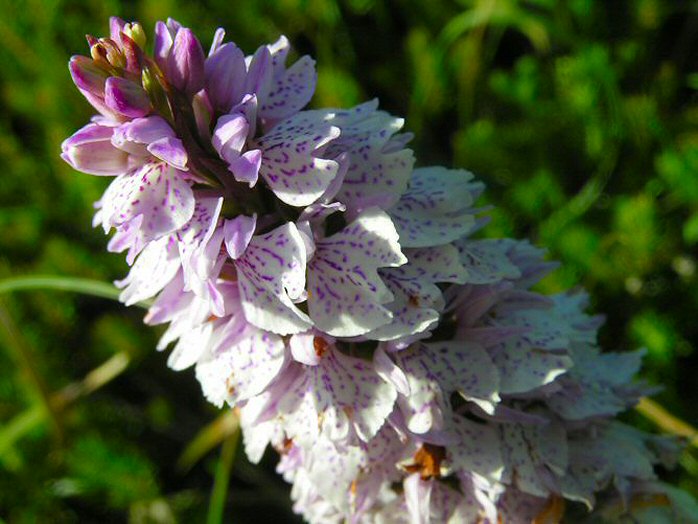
[84,286]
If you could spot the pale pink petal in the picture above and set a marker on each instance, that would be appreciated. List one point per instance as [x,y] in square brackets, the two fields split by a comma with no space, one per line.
[238,234]
[245,168]
[170,150]
[230,135]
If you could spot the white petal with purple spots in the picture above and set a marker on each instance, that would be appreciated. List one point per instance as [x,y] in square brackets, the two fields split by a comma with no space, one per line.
[476,449]
[435,210]
[437,370]
[156,265]
[290,159]
[156,191]
[271,276]
[240,361]
[418,300]
[377,171]
[340,397]
[486,260]
[345,292]
[523,368]
[290,91]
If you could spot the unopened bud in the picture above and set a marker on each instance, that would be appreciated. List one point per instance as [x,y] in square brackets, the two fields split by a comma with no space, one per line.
[126,98]
[114,54]
[132,53]
[98,52]
[225,76]
[136,33]
[88,75]
[185,63]
[106,50]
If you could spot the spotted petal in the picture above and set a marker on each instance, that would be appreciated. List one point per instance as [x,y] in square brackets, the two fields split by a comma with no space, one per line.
[240,362]
[332,470]
[418,300]
[345,292]
[523,368]
[597,385]
[290,159]
[157,264]
[435,371]
[200,242]
[156,191]
[290,91]
[271,276]
[476,448]
[339,397]
[379,166]
[435,210]
[486,260]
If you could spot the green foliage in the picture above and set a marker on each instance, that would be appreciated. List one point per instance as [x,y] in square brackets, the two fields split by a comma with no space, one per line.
[581,117]
[107,470]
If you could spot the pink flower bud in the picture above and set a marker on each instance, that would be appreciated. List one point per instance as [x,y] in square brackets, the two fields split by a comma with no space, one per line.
[87,75]
[126,98]
[185,63]
[132,53]
[116,26]
[90,150]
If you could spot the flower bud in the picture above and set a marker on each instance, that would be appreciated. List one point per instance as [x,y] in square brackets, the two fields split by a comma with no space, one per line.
[126,98]
[105,50]
[88,75]
[162,45]
[136,33]
[90,150]
[116,26]
[225,76]
[185,63]
[132,53]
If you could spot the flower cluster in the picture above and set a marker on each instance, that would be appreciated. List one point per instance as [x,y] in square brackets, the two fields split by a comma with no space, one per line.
[337,297]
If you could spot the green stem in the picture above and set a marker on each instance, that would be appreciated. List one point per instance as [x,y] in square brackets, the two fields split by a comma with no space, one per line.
[666,421]
[219,494]
[208,438]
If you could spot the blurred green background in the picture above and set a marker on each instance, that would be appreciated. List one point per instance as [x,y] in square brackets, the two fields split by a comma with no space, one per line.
[581,116]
